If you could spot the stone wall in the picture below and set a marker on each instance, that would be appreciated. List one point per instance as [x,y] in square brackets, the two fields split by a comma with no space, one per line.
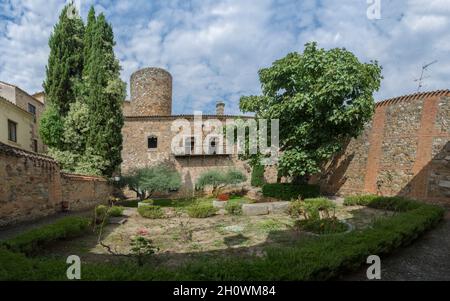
[33,187]
[151,92]
[84,192]
[403,151]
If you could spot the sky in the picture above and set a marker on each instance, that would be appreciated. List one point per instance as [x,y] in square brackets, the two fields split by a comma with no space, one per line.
[214,48]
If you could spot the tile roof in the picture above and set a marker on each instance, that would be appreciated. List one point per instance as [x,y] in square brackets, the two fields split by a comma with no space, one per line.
[415,96]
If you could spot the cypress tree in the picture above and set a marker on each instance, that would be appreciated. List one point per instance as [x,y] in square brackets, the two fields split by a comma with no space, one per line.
[105,94]
[65,63]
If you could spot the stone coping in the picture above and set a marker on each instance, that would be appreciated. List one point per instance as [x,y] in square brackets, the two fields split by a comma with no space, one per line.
[18,152]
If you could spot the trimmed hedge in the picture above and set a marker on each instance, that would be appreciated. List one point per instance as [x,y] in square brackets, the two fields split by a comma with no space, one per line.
[288,192]
[34,240]
[394,203]
[321,258]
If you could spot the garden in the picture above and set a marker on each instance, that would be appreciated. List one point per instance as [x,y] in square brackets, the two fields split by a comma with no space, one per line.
[190,239]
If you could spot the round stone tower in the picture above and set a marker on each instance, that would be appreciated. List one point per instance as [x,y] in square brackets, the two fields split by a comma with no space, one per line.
[151,92]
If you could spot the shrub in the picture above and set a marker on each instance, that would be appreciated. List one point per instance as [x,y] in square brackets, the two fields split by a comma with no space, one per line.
[116,211]
[151,211]
[149,201]
[101,212]
[312,207]
[288,192]
[234,208]
[361,200]
[322,226]
[201,210]
[395,203]
[34,240]
[296,209]
[257,179]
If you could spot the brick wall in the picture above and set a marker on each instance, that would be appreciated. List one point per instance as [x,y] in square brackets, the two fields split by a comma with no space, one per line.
[33,187]
[405,150]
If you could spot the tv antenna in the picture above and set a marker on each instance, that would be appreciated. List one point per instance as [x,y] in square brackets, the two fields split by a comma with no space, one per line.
[422,75]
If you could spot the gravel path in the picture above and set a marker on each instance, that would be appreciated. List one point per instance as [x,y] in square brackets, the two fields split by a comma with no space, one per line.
[14,230]
[427,259]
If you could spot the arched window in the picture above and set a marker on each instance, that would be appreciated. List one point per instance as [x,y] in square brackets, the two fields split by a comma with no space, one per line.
[152,142]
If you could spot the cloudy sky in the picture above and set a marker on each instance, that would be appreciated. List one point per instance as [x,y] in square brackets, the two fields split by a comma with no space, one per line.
[214,48]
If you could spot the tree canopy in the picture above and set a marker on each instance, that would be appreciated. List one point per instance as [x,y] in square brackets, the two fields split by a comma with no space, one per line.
[83,123]
[149,180]
[219,179]
[321,98]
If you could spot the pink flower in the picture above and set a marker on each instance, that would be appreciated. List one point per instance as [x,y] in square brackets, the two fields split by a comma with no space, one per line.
[142,231]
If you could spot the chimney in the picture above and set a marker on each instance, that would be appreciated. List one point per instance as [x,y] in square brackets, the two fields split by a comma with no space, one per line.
[220,108]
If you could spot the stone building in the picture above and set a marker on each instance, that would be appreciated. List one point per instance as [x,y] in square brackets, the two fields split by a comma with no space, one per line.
[19,118]
[150,129]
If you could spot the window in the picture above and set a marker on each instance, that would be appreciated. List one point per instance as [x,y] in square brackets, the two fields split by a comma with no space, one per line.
[12,131]
[152,142]
[35,145]
[32,110]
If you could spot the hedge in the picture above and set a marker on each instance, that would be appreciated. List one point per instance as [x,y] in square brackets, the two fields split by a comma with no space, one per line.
[288,192]
[34,240]
[321,258]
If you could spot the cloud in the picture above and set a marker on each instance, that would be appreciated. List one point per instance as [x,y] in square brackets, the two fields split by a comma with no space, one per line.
[214,49]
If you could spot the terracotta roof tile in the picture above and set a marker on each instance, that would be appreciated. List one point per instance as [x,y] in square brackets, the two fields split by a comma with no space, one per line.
[415,96]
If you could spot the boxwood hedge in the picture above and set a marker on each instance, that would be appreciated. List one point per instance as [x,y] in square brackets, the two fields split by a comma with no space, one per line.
[288,192]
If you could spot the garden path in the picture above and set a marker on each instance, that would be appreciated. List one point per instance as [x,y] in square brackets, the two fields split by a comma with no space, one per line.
[427,259]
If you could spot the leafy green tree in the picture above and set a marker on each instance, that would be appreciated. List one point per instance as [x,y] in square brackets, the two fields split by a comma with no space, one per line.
[51,129]
[149,180]
[104,94]
[76,127]
[219,179]
[87,163]
[65,63]
[321,98]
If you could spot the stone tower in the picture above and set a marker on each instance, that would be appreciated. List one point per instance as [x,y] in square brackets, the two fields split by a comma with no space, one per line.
[151,92]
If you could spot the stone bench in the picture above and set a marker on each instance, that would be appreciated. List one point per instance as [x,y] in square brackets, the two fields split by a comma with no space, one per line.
[264,208]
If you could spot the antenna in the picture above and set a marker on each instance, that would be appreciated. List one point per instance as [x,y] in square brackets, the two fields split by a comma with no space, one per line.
[422,77]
